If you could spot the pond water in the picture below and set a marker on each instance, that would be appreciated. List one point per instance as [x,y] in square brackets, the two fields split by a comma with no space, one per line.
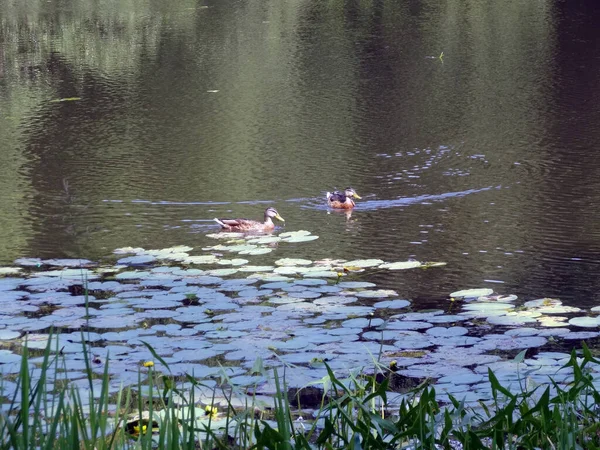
[470,131]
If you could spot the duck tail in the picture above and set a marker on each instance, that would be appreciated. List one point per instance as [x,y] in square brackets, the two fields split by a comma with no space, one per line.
[328,195]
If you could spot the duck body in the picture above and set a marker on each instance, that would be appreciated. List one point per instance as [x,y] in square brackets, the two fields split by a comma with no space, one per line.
[251,225]
[342,200]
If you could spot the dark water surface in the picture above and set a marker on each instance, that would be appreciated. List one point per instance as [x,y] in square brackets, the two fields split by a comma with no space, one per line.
[485,158]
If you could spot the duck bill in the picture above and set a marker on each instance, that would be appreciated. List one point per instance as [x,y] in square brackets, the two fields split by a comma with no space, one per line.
[279,217]
[355,195]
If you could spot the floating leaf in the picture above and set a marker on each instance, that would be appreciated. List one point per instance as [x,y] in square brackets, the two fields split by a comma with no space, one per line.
[225,235]
[392,304]
[427,265]
[200,259]
[66,99]
[256,251]
[401,265]
[264,240]
[321,274]
[447,332]
[552,321]
[29,262]
[376,294]
[484,306]
[585,322]
[221,272]
[472,293]
[511,319]
[233,262]
[256,269]
[356,284]
[300,238]
[363,263]
[294,233]
[293,262]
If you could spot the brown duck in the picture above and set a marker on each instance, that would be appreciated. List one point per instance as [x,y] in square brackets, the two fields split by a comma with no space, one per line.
[342,200]
[251,225]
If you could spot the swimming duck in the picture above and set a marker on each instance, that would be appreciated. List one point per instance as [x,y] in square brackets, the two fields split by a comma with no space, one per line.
[251,225]
[342,200]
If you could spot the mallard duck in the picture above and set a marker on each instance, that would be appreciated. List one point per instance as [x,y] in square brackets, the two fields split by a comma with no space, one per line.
[251,225]
[342,200]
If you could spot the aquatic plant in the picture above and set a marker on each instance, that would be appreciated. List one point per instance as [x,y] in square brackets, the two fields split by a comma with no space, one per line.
[355,412]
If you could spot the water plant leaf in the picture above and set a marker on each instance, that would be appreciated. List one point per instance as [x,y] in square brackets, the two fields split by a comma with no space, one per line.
[137,260]
[265,240]
[401,265]
[585,322]
[65,99]
[294,233]
[295,239]
[233,262]
[363,263]
[471,293]
[392,304]
[293,262]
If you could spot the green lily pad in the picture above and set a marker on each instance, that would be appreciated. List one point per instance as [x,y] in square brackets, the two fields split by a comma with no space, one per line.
[221,272]
[485,306]
[364,263]
[293,262]
[401,265]
[264,240]
[552,321]
[376,294]
[321,274]
[225,235]
[233,262]
[585,322]
[200,259]
[256,251]
[256,269]
[294,239]
[472,293]
[294,233]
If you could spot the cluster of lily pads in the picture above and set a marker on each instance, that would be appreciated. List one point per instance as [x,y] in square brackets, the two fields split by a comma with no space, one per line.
[208,313]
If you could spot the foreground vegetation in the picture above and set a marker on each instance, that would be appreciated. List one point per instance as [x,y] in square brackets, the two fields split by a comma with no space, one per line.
[355,413]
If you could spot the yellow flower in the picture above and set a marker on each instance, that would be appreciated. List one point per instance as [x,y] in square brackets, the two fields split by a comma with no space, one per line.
[148,364]
[211,411]
[137,430]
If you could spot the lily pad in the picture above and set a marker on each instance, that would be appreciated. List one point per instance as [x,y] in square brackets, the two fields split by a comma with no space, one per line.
[225,235]
[221,272]
[137,260]
[472,293]
[256,251]
[392,304]
[364,263]
[585,322]
[200,259]
[447,332]
[376,294]
[401,265]
[484,306]
[294,239]
[256,269]
[293,262]
[264,240]
[233,262]
[294,233]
